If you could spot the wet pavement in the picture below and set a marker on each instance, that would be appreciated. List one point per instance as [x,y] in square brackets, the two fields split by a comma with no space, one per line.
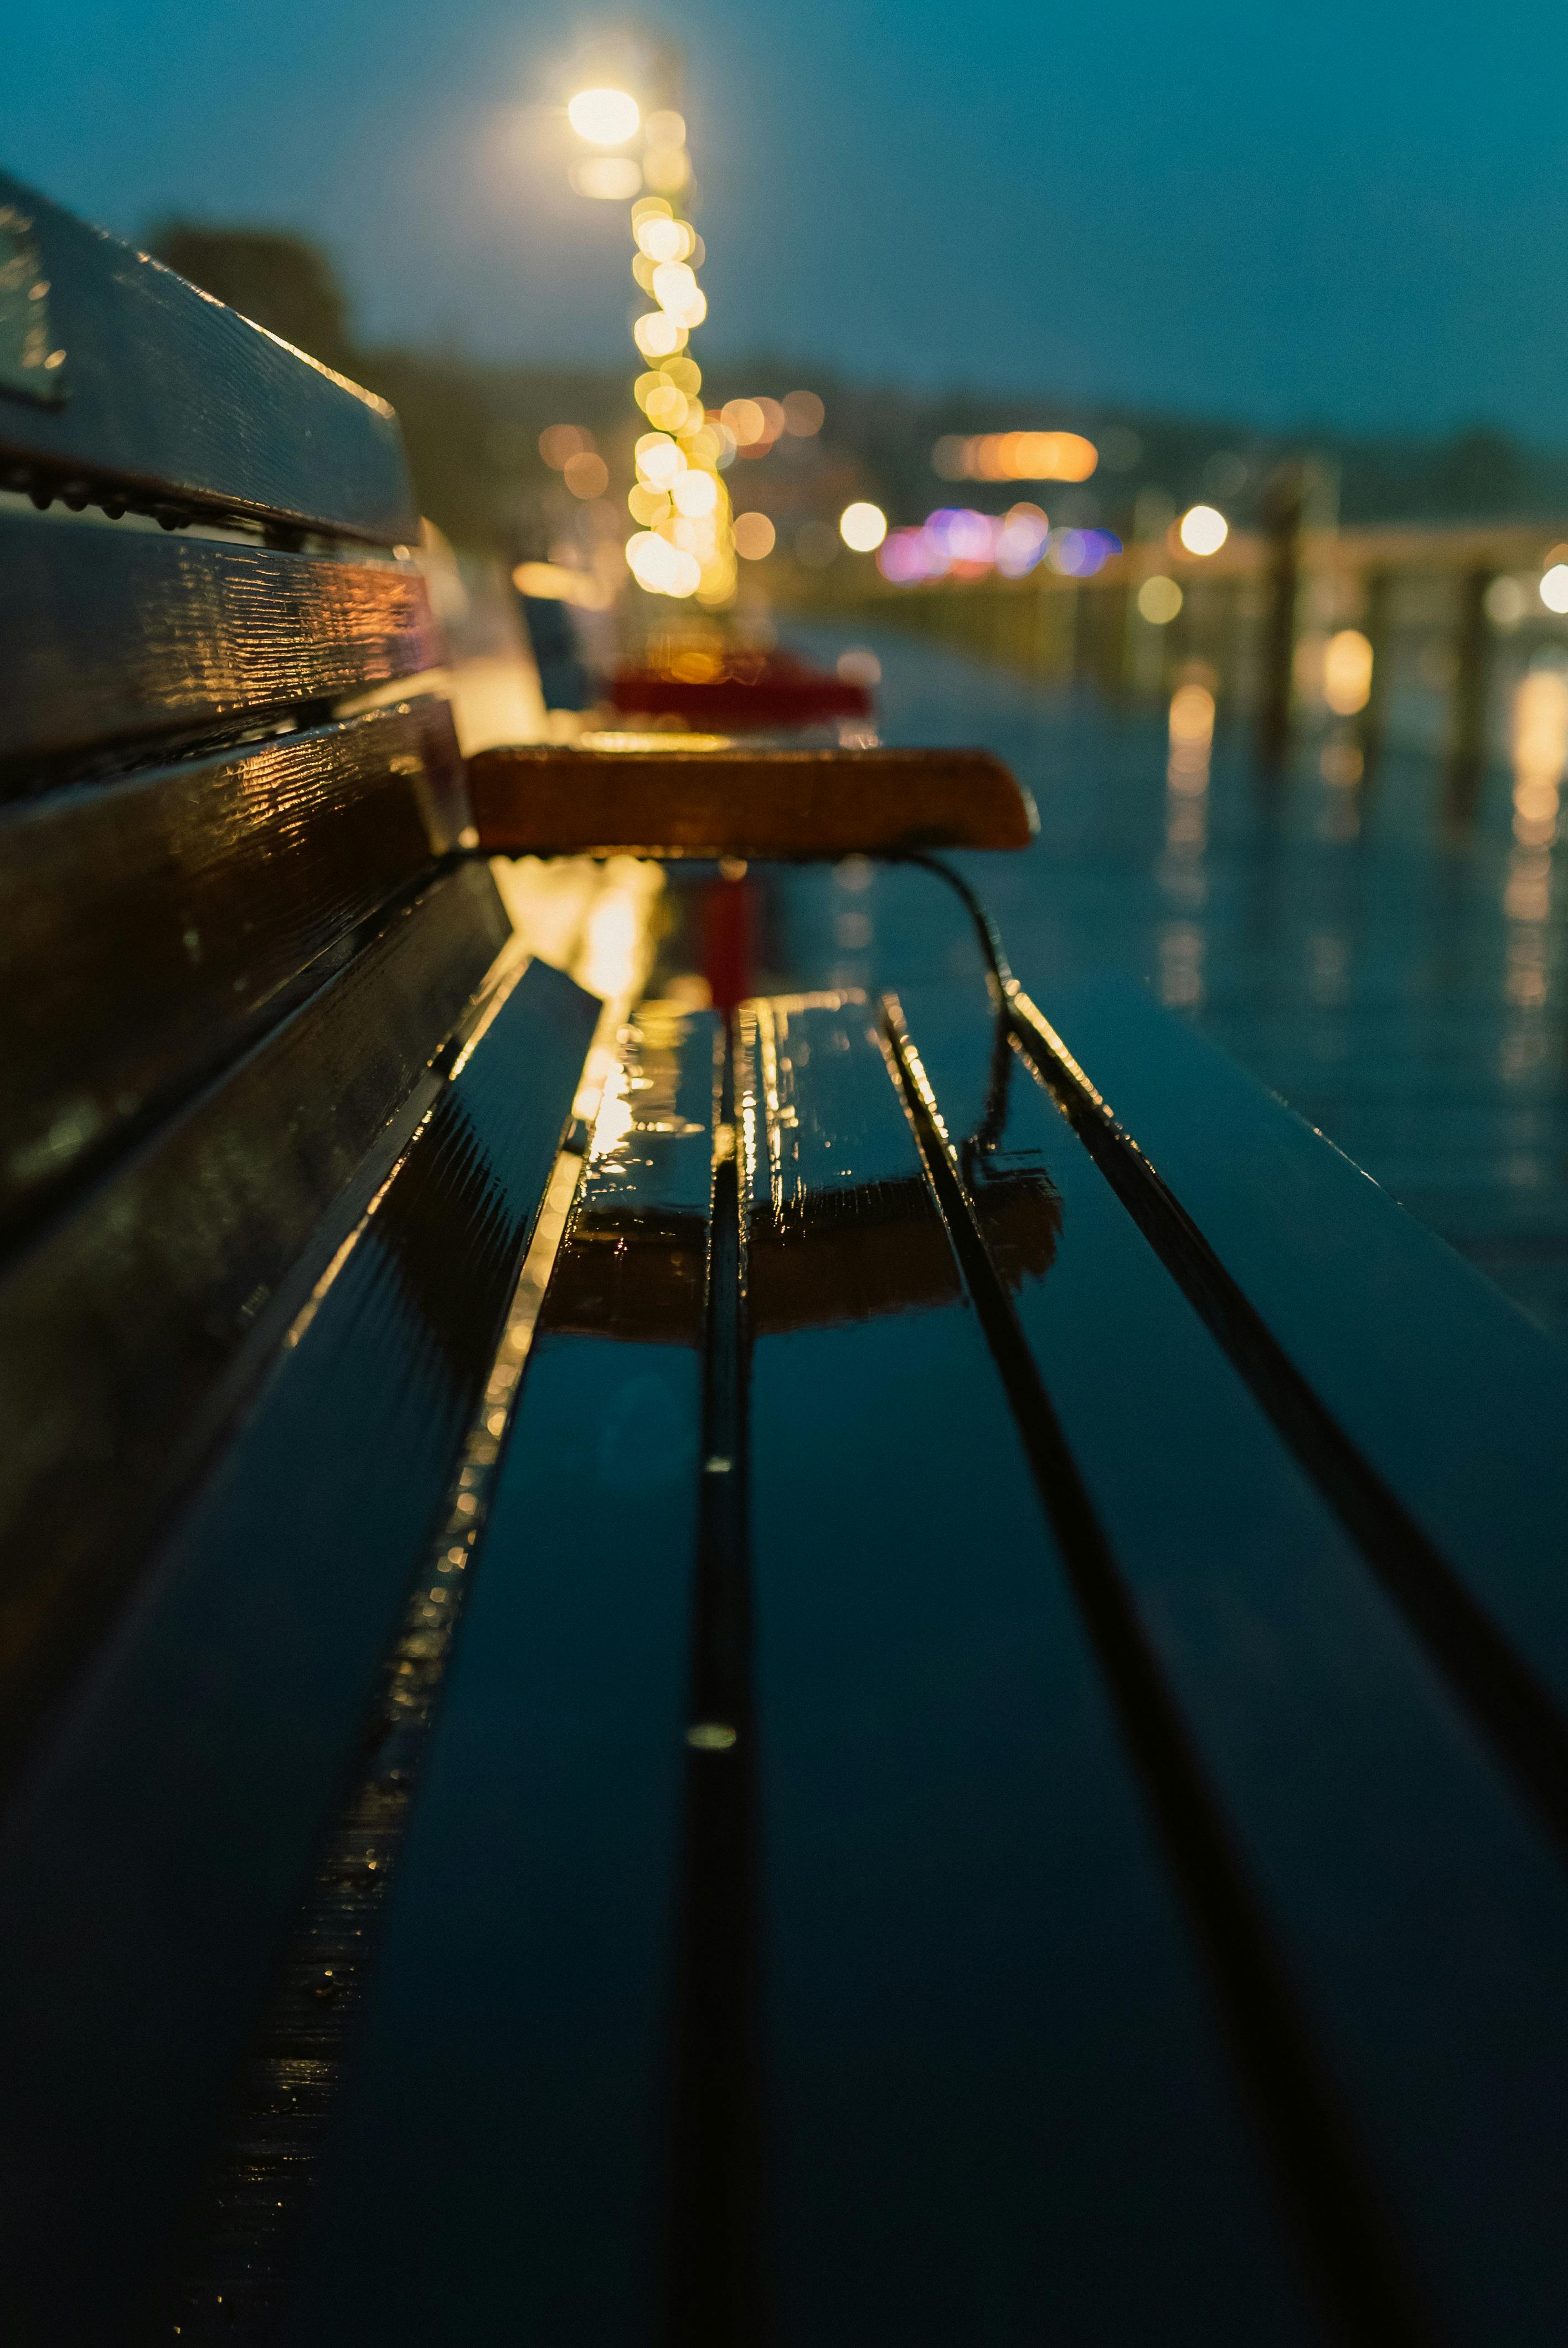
[1399,981]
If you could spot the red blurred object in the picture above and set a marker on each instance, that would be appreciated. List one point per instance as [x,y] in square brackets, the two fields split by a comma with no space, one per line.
[729,936]
[751,693]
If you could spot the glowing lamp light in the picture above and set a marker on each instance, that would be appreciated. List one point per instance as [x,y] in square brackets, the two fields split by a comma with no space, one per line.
[667,407]
[608,179]
[755,536]
[1554,588]
[1348,672]
[663,239]
[695,494]
[658,460]
[657,335]
[666,169]
[1159,601]
[660,568]
[675,289]
[745,420]
[863,527]
[1204,529]
[605,117]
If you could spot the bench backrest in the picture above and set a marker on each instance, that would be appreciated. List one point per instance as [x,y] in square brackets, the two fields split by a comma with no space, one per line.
[240,962]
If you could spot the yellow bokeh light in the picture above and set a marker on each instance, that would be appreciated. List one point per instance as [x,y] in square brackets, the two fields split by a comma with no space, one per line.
[605,117]
[1346,672]
[666,169]
[666,128]
[657,335]
[662,568]
[1193,715]
[686,376]
[755,536]
[1204,529]
[659,459]
[863,527]
[649,506]
[803,414]
[662,238]
[667,407]
[1015,456]
[1554,588]
[702,446]
[675,289]
[586,475]
[745,421]
[608,179]
[695,493]
[1159,600]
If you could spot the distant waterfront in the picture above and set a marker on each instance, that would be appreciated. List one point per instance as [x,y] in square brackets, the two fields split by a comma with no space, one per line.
[1399,983]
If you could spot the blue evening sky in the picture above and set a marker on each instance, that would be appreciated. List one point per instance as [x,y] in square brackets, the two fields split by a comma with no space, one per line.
[1353,211]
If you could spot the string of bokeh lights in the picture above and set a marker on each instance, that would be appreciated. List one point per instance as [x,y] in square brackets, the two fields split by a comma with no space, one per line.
[688,535]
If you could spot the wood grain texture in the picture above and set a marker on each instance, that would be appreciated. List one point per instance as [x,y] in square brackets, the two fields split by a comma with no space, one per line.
[783,803]
[115,634]
[150,930]
[119,1327]
[181,402]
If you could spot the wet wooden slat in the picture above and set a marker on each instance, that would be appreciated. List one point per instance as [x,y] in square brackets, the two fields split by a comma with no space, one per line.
[121,1325]
[176,398]
[998,2102]
[152,1863]
[1364,1803]
[536,801]
[1434,1382]
[115,635]
[509,2090]
[150,930]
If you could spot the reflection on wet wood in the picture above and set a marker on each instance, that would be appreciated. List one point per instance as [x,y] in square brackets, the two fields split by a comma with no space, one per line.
[818,1262]
[152,929]
[152,1863]
[113,636]
[830,1257]
[119,1326]
[785,803]
[633,1273]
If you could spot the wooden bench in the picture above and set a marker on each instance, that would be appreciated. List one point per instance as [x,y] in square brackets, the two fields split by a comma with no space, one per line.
[1004,1778]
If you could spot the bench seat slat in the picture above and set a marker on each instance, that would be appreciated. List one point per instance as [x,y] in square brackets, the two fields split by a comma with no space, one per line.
[1456,1400]
[115,635]
[1365,1805]
[508,2108]
[154,1863]
[122,1324]
[1000,2105]
[165,391]
[150,928]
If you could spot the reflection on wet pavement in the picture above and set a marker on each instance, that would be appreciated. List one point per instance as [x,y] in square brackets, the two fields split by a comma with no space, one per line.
[1395,975]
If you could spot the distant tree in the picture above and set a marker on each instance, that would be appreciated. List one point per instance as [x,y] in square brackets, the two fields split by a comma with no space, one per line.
[283,282]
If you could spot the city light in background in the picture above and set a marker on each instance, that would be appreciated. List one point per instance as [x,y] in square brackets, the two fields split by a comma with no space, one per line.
[862,527]
[1203,530]
[1015,456]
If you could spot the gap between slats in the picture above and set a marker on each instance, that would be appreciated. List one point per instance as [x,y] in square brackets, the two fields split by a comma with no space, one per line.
[1318,2161]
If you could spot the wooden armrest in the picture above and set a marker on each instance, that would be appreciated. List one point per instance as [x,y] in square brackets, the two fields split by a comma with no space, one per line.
[545,801]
